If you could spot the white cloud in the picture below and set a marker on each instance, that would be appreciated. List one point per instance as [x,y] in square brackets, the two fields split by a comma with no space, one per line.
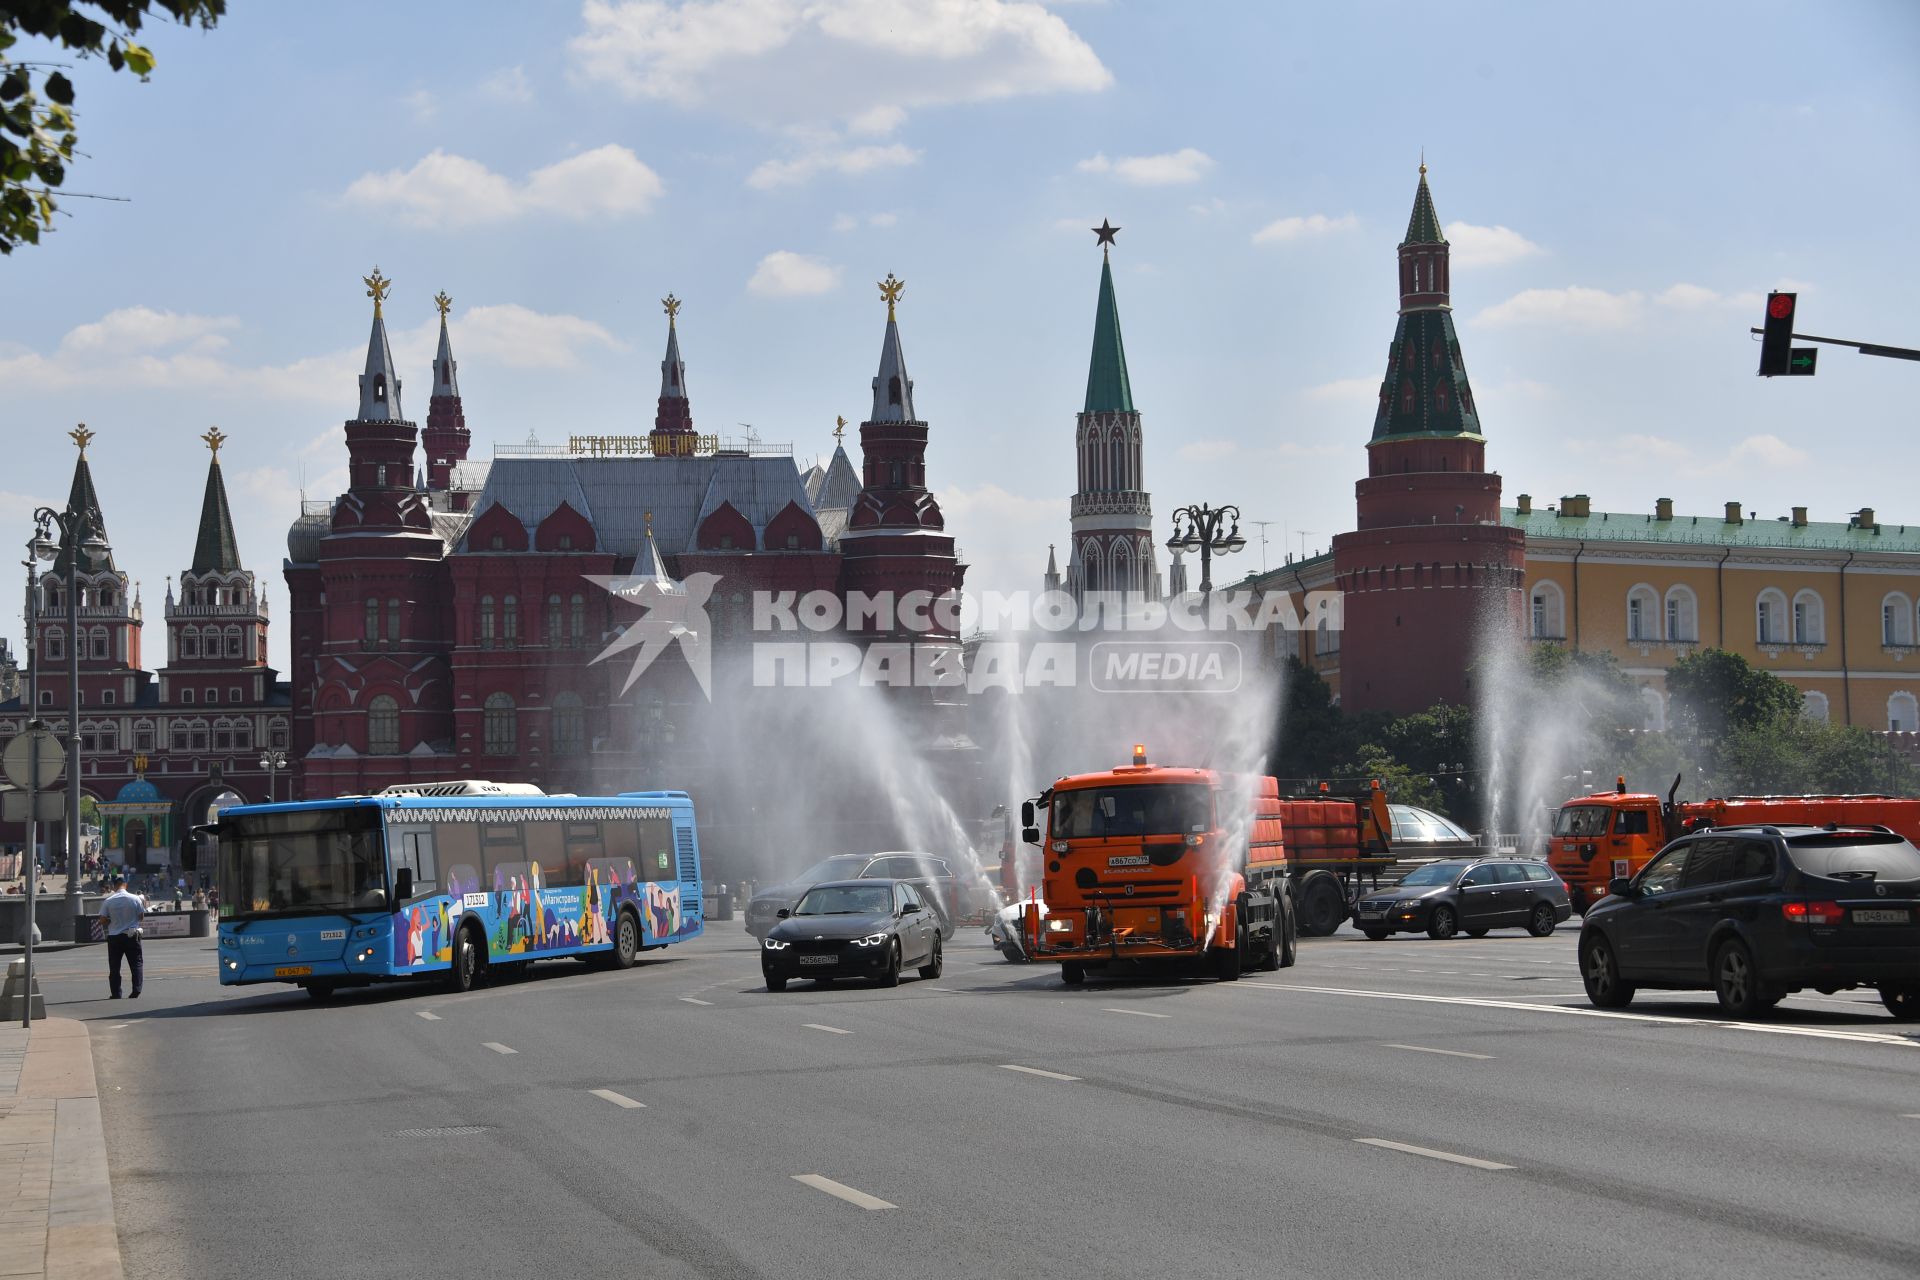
[1574,307]
[164,351]
[776,61]
[1208,450]
[878,121]
[1345,391]
[1693,297]
[1172,168]
[445,190]
[883,219]
[1495,246]
[1285,230]
[845,222]
[1657,448]
[509,84]
[423,105]
[848,222]
[1770,451]
[784,274]
[849,161]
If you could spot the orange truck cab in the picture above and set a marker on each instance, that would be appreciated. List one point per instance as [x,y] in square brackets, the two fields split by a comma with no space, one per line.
[1160,865]
[1614,833]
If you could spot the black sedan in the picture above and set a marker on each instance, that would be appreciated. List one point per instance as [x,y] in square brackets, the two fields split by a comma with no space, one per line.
[1471,895]
[853,929]
[1754,914]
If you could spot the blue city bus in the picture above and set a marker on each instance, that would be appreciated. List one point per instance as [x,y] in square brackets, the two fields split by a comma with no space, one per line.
[451,879]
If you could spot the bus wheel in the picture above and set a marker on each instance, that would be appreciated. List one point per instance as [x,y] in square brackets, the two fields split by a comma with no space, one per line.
[626,941]
[465,975]
[320,991]
[1073,974]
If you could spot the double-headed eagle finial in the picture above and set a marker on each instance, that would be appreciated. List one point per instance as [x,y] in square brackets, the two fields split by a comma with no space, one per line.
[378,286]
[442,301]
[890,290]
[214,438]
[673,305]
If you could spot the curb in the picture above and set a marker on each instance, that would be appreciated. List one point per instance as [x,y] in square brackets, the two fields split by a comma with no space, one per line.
[61,1214]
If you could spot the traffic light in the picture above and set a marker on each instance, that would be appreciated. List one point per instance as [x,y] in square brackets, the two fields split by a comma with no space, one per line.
[1776,340]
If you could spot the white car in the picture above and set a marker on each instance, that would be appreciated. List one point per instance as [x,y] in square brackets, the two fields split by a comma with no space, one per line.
[1005,933]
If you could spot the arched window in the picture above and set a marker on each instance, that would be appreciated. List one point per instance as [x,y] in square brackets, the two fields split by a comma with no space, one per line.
[1326,639]
[1903,713]
[1813,705]
[499,730]
[383,725]
[486,622]
[1896,619]
[1095,578]
[393,621]
[1546,615]
[1770,617]
[99,642]
[554,634]
[243,735]
[1118,452]
[1809,618]
[1683,615]
[1653,710]
[56,643]
[893,390]
[233,642]
[1123,568]
[569,724]
[190,642]
[1643,607]
[577,620]
[372,629]
[510,621]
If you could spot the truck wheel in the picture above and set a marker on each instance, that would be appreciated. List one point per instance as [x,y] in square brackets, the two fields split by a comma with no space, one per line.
[1322,908]
[1270,958]
[1073,974]
[1226,960]
[1289,942]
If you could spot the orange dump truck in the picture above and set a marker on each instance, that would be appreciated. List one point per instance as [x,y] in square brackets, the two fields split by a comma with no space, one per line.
[1615,833]
[1161,865]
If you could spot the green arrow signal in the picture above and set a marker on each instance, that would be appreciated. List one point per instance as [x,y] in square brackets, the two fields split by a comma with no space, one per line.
[1803,362]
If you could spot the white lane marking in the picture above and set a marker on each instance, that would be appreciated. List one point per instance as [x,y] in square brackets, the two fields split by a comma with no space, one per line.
[949,990]
[1451,1053]
[1819,1033]
[120,1026]
[1035,1071]
[430,1017]
[821,1026]
[1911,1115]
[842,1190]
[618,1099]
[1431,1154]
[1138,1013]
[498,1048]
[691,1000]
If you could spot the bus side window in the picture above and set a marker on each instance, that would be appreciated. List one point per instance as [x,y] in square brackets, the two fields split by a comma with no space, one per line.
[420,857]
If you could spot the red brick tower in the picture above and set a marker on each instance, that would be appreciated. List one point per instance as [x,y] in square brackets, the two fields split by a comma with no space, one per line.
[896,539]
[446,438]
[673,434]
[1429,568]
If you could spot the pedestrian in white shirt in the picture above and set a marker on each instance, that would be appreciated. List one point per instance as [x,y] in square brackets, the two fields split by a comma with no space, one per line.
[123,912]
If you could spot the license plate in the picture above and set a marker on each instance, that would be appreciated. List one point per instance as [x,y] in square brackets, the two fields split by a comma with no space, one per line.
[294,971]
[819,959]
[1134,860]
[1880,916]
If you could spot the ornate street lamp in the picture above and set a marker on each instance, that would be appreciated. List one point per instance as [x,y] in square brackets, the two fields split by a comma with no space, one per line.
[1196,528]
[273,761]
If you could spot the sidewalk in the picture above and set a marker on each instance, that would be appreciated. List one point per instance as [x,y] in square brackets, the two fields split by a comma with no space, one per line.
[56,1202]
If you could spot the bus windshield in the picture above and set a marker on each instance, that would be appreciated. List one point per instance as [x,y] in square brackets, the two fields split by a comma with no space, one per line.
[1153,809]
[324,861]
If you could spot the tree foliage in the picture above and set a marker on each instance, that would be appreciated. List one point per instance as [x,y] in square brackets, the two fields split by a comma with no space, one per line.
[1716,692]
[37,133]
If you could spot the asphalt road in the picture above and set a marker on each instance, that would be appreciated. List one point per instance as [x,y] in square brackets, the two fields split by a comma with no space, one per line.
[1406,1107]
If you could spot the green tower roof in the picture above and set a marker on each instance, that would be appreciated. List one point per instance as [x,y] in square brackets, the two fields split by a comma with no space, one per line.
[84,502]
[1425,392]
[1424,226]
[1107,388]
[216,549]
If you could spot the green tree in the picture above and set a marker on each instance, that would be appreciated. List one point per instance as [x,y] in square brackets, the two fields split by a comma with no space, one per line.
[1716,693]
[1312,733]
[37,134]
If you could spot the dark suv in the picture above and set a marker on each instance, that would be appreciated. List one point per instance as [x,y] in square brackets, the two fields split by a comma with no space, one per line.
[1754,914]
[1470,894]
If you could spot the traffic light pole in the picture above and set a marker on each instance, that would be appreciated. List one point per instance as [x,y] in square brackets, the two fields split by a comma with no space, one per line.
[1864,348]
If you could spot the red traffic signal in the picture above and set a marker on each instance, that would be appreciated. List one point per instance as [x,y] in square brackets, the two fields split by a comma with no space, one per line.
[1776,340]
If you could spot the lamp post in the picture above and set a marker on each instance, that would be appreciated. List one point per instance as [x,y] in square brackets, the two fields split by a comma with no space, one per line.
[273,761]
[1201,533]
[33,794]
[71,524]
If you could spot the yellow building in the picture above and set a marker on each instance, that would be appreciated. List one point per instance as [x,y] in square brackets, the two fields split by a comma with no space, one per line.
[1829,606]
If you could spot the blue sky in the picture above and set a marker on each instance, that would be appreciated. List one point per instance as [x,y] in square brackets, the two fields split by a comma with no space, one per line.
[1622,184]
